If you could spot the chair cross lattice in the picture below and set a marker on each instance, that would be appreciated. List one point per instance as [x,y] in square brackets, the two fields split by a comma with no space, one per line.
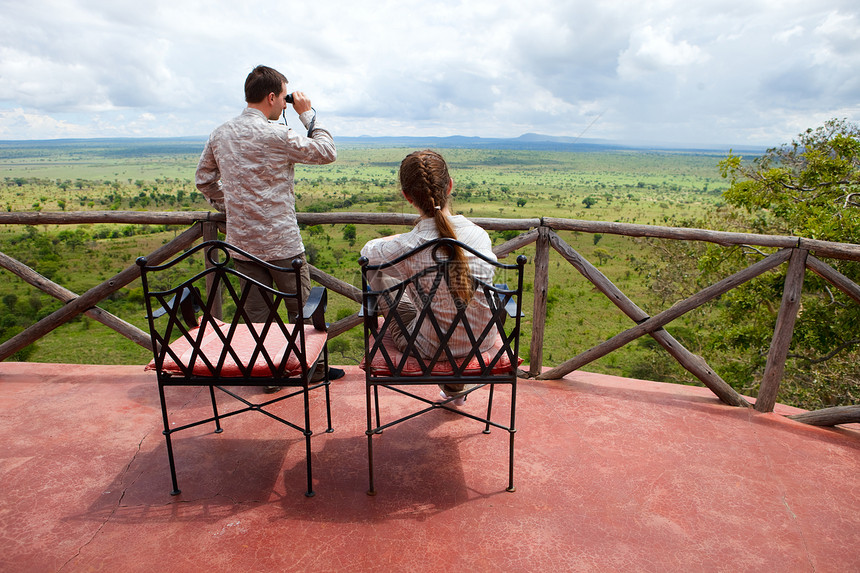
[470,346]
[218,353]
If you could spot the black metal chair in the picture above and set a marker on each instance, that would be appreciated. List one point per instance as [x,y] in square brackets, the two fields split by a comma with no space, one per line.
[388,367]
[208,351]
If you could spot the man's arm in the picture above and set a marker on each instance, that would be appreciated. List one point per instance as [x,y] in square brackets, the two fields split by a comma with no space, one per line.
[318,147]
[208,179]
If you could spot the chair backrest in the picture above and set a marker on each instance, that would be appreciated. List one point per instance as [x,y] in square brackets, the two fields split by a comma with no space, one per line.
[492,341]
[213,345]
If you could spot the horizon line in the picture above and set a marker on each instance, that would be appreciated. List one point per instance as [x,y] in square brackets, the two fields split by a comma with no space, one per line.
[524,141]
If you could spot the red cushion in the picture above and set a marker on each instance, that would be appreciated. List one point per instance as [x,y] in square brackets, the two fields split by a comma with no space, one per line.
[379,367]
[243,345]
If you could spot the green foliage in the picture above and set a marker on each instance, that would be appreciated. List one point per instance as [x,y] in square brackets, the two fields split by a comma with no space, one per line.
[810,188]
[506,235]
[624,187]
[25,353]
[602,255]
[316,231]
[350,232]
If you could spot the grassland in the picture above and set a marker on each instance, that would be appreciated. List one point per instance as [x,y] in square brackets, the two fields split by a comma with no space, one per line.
[641,187]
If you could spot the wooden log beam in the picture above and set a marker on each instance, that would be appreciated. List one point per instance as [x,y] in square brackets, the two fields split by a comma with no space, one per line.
[693,363]
[406,219]
[675,233]
[541,290]
[183,218]
[847,251]
[335,284]
[190,217]
[344,324]
[667,316]
[830,416]
[63,294]
[822,248]
[783,332]
[94,295]
[498,224]
[834,277]
[518,242]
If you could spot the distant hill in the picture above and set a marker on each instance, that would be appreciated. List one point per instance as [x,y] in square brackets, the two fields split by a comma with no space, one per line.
[527,141]
[531,141]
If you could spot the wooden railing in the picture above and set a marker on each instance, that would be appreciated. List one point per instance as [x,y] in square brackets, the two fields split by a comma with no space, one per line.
[798,252]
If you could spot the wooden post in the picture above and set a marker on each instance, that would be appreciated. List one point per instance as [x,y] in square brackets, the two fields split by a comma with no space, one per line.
[782,332]
[541,287]
[94,295]
[210,233]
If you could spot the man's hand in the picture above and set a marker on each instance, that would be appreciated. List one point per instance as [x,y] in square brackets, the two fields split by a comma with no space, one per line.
[301,103]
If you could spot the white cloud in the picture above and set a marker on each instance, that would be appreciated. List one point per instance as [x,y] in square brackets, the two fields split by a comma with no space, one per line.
[656,50]
[16,121]
[716,70]
[787,36]
[838,39]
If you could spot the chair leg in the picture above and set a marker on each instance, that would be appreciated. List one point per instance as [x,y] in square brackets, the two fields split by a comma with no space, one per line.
[376,401]
[512,432]
[511,487]
[218,429]
[372,489]
[307,433]
[176,490]
[329,429]
[489,408]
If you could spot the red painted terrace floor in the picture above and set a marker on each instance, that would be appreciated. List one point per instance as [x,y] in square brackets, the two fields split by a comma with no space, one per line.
[612,474]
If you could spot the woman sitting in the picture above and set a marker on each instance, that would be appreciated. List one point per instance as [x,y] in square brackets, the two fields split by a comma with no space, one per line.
[426,184]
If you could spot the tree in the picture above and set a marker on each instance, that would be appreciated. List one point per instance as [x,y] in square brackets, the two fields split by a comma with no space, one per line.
[602,255]
[316,230]
[350,233]
[809,188]
[589,201]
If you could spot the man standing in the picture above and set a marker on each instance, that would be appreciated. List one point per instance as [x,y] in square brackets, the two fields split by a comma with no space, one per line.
[247,170]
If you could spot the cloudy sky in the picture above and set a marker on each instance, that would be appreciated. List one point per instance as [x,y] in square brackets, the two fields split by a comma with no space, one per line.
[672,71]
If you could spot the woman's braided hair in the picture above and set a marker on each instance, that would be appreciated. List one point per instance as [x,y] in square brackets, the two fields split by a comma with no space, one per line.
[424,180]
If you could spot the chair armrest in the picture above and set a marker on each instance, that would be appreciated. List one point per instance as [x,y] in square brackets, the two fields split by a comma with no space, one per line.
[368,306]
[187,307]
[511,305]
[315,306]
